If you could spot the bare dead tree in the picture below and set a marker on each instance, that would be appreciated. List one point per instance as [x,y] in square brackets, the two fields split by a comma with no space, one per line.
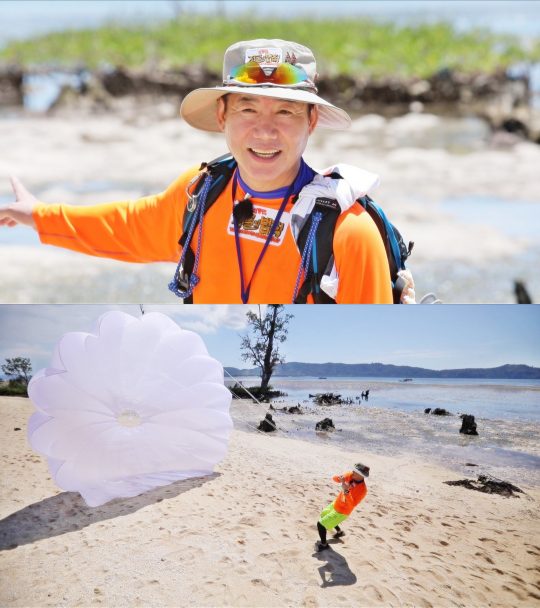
[261,345]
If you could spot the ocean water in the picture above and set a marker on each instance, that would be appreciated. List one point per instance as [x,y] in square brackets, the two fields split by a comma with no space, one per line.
[494,399]
[393,422]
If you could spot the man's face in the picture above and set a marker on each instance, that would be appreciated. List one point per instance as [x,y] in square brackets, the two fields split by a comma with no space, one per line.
[267,137]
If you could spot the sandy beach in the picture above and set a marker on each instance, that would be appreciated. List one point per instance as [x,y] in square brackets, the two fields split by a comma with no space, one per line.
[468,199]
[245,535]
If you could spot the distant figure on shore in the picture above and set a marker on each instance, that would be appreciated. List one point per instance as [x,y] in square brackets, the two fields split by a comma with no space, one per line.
[353,491]
[522,295]
[365,395]
[260,205]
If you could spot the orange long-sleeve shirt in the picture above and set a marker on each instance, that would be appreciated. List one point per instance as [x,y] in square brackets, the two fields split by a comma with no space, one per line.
[345,503]
[148,229]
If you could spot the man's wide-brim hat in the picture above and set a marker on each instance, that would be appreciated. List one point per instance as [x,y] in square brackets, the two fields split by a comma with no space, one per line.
[267,68]
[361,469]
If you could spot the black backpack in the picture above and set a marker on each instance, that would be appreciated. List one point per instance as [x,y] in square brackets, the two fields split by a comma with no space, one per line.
[220,171]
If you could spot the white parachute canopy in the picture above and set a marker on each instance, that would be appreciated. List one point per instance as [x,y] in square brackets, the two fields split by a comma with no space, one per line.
[137,404]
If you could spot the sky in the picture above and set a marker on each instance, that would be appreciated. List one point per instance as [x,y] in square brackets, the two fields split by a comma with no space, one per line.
[23,18]
[431,336]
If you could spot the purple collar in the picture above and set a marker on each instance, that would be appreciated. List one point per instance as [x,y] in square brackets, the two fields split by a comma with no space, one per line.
[304,176]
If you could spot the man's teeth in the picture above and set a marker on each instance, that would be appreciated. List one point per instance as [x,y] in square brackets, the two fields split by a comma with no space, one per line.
[265,154]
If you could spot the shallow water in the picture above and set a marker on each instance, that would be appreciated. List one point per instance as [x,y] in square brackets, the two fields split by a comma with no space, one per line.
[507,415]
[513,218]
[517,400]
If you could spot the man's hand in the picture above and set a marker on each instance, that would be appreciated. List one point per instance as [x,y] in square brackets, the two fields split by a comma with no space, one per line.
[20,211]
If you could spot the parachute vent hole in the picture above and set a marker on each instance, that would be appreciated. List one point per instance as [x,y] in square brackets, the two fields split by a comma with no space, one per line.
[129,418]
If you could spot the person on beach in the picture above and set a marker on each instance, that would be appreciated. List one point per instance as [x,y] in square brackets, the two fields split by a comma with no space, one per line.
[353,491]
[245,246]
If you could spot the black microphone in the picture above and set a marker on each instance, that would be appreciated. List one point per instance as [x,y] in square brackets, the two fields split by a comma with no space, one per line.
[243,210]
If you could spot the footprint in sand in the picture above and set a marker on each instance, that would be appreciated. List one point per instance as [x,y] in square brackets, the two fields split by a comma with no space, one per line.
[373,593]
[310,602]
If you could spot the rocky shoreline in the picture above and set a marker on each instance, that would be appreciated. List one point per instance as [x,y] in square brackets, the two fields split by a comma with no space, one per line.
[503,99]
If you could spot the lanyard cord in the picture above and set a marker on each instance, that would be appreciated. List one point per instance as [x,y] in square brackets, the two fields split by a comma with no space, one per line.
[316,217]
[244,290]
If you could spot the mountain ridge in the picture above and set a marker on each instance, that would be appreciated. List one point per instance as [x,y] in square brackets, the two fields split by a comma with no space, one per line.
[507,371]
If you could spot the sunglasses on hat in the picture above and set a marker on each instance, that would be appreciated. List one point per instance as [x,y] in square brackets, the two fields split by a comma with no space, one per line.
[283,74]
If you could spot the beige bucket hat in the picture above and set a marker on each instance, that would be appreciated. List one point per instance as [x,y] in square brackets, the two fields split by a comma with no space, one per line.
[269,68]
[361,469]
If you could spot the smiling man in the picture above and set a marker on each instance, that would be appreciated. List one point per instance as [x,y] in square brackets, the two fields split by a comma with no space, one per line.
[259,226]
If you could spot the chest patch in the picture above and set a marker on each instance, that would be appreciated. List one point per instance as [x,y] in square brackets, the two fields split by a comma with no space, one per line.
[258,226]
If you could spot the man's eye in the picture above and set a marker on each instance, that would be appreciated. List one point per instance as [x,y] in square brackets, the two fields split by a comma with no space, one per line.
[285,112]
[247,110]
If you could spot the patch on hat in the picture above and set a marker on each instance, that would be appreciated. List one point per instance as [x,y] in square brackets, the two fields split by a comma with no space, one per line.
[268,59]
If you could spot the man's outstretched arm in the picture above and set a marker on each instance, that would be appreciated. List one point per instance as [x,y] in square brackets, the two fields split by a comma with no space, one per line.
[20,211]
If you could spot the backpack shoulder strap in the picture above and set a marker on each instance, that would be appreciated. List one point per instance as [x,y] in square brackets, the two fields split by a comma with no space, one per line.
[221,169]
[323,258]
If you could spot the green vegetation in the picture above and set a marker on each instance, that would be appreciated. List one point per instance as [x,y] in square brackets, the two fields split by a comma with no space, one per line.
[257,391]
[355,46]
[13,389]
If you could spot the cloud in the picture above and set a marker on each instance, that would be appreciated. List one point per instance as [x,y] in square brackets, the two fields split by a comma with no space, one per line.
[206,319]
[33,330]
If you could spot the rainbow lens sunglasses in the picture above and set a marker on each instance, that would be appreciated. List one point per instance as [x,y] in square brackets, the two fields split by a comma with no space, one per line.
[284,74]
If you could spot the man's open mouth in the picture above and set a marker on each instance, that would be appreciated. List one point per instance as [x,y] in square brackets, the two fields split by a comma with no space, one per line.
[264,153]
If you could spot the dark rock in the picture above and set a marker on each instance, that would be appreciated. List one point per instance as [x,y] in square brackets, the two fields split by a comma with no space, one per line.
[327,399]
[17,428]
[11,86]
[468,425]
[121,81]
[267,425]
[294,410]
[427,410]
[440,411]
[522,295]
[513,125]
[470,464]
[325,425]
[488,485]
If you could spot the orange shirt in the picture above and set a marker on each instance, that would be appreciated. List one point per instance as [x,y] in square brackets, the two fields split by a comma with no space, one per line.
[148,229]
[345,503]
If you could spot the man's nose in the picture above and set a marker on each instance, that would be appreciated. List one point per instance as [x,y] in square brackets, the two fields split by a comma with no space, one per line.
[265,128]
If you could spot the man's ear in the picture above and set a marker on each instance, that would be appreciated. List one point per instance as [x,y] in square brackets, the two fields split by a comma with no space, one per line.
[313,118]
[220,113]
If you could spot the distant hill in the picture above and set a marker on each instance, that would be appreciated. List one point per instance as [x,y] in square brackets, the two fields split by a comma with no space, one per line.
[381,370]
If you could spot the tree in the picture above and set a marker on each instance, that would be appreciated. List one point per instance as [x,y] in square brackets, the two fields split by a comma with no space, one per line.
[20,368]
[261,345]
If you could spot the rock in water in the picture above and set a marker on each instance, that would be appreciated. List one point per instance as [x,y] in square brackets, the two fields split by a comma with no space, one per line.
[468,425]
[295,409]
[440,411]
[267,425]
[325,425]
